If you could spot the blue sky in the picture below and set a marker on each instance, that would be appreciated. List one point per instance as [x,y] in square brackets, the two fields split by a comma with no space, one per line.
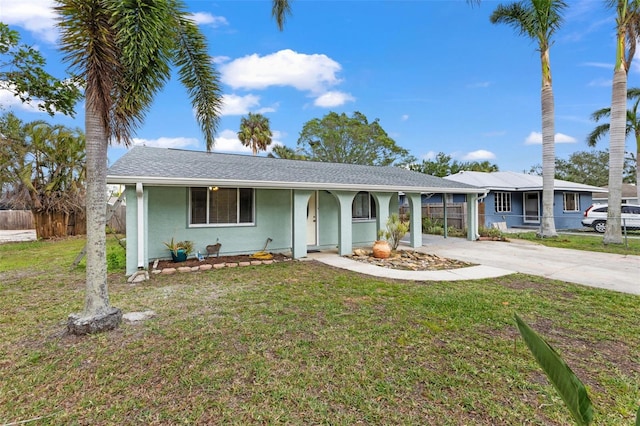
[437,74]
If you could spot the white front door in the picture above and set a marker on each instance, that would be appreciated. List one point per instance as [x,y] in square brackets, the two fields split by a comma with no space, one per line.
[531,207]
[312,220]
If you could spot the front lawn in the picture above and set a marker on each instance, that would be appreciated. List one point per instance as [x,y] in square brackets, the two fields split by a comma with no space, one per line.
[588,242]
[302,343]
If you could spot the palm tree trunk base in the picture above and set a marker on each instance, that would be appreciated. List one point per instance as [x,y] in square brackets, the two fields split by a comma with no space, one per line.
[80,326]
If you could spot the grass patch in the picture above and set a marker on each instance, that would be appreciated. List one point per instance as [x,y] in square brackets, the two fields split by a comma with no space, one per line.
[583,242]
[303,343]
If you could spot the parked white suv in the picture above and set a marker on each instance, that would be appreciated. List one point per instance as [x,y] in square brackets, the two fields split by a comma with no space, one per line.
[596,217]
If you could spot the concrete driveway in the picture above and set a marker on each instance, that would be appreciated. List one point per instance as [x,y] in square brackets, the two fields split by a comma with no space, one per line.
[609,271]
[15,236]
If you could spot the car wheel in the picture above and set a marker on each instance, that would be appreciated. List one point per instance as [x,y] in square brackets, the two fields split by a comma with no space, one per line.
[600,226]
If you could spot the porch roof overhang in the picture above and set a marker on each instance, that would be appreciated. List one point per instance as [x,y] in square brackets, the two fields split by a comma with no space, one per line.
[169,167]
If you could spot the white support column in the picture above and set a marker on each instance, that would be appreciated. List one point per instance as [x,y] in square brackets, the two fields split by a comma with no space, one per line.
[299,223]
[415,218]
[140,227]
[345,228]
[472,217]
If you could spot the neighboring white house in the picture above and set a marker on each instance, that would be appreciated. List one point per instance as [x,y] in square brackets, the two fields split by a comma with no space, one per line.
[629,195]
[516,199]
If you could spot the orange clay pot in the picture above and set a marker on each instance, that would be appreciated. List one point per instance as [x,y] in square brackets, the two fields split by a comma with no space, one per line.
[381,249]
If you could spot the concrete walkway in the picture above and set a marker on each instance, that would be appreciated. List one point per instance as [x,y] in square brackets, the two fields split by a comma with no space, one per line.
[16,236]
[609,271]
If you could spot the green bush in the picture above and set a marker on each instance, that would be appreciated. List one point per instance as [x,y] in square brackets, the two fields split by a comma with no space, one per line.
[116,258]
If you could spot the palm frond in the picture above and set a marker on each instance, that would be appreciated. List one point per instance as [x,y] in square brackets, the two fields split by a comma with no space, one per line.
[601,113]
[598,133]
[142,30]
[279,11]
[198,74]
[82,23]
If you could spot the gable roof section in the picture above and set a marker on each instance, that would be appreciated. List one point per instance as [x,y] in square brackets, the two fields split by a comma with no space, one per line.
[629,191]
[512,181]
[162,166]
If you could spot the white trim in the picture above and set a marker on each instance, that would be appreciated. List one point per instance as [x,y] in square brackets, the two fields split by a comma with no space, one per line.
[141,241]
[162,181]
[524,207]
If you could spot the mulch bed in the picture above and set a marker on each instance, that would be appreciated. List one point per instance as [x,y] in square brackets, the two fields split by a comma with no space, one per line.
[162,264]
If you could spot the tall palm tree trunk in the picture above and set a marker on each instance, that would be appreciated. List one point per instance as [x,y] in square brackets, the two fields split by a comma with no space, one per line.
[617,133]
[548,224]
[638,165]
[98,315]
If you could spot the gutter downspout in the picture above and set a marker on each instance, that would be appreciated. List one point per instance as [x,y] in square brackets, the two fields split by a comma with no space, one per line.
[480,198]
[140,205]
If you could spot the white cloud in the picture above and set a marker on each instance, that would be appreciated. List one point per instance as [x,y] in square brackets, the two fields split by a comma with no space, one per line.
[204,18]
[238,105]
[333,99]
[429,155]
[600,82]
[309,73]
[36,16]
[535,138]
[228,141]
[167,142]
[599,65]
[8,100]
[404,117]
[479,155]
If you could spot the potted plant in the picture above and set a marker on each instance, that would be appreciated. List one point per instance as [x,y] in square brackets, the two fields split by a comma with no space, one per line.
[179,250]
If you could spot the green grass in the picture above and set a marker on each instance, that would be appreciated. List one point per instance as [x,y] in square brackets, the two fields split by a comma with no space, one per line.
[589,242]
[302,343]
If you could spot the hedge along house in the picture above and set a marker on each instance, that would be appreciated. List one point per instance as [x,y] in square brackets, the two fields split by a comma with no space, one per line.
[244,201]
[516,199]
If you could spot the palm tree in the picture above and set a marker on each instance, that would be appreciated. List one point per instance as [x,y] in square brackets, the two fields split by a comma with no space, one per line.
[633,125]
[255,132]
[627,31]
[539,20]
[123,51]
[284,152]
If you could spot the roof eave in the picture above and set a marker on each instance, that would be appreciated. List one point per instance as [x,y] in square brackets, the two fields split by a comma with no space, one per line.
[163,181]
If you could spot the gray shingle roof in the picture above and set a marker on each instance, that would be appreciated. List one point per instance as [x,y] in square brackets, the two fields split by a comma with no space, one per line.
[512,181]
[161,166]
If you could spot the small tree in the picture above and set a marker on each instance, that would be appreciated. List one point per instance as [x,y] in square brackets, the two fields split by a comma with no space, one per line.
[22,73]
[396,229]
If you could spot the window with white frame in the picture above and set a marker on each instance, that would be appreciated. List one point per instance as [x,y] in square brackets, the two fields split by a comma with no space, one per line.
[503,201]
[571,202]
[221,206]
[363,207]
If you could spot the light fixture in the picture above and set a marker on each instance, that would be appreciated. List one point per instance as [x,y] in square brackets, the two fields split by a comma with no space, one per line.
[213,188]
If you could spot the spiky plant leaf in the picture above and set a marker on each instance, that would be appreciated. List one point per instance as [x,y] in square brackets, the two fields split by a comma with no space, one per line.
[570,388]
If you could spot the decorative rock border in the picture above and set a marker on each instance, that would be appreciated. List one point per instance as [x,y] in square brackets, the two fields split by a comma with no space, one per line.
[208,266]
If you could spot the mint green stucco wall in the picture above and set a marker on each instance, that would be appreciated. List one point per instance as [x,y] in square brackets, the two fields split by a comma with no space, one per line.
[167,217]
[166,211]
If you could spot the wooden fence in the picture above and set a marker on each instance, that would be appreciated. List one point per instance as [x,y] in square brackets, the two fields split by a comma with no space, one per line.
[456,213]
[16,220]
[23,219]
